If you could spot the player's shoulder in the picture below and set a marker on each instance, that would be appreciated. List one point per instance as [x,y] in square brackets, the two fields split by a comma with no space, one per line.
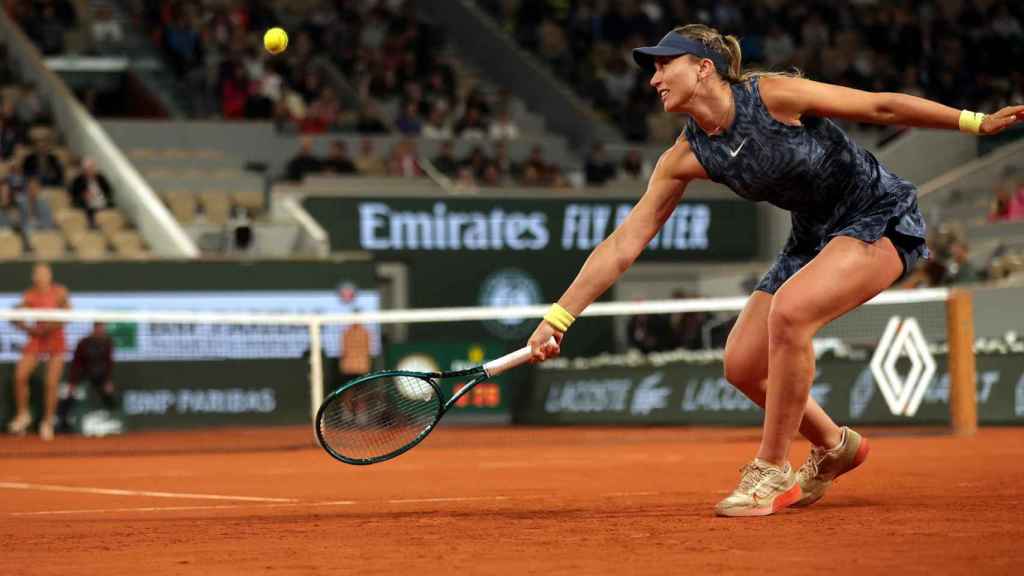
[679,161]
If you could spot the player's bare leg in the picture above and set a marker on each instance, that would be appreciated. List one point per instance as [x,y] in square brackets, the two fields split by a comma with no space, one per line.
[746,368]
[54,369]
[22,371]
[847,273]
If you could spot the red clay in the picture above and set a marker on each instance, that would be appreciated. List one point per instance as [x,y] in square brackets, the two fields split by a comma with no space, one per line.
[501,501]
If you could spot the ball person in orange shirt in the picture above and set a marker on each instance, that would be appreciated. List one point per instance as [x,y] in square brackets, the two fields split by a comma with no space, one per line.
[45,340]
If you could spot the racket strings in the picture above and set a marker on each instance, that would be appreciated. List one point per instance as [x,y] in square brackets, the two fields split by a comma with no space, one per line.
[377,417]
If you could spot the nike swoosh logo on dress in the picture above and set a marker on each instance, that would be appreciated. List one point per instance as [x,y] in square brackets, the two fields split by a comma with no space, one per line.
[733,153]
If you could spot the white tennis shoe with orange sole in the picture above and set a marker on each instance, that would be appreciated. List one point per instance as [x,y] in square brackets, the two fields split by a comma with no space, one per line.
[764,489]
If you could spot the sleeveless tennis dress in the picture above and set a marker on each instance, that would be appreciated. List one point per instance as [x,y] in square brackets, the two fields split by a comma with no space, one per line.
[53,342]
[830,184]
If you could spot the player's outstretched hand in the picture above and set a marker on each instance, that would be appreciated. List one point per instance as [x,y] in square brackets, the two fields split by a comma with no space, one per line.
[541,347]
[1005,118]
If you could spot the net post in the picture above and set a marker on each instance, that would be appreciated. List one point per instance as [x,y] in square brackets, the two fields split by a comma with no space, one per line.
[963,391]
[316,367]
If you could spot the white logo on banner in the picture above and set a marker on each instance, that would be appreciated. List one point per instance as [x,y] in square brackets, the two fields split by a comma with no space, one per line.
[1019,404]
[903,336]
[649,396]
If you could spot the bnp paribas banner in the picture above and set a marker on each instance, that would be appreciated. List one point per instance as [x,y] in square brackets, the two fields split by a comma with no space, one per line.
[697,393]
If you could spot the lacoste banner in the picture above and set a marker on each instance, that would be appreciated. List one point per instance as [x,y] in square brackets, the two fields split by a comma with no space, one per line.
[697,393]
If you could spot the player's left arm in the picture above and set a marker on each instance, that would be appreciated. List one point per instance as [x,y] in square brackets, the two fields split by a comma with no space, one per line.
[790,98]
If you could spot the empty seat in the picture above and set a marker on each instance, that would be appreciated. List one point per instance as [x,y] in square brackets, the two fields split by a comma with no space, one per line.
[216,206]
[127,242]
[47,244]
[91,246]
[71,221]
[251,200]
[57,198]
[10,245]
[182,205]
[109,222]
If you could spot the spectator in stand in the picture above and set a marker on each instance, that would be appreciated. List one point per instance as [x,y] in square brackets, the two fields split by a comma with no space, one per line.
[93,362]
[305,162]
[686,329]
[1009,199]
[338,161]
[21,201]
[324,114]
[368,163]
[632,167]
[47,30]
[476,161]
[404,160]
[599,169]
[369,121]
[43,166]
[501,160]
[90,191]
[437,127]
[504,127]
[408,122]
[534,170]
[471,125]
[106,31]
[445,160]
[234,91]
[11,134]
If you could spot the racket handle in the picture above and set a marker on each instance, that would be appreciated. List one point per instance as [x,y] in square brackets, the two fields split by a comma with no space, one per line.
[511,360]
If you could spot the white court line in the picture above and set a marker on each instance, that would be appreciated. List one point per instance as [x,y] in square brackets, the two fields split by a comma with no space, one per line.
[450,499]
[296,504]
[116,492]
[180,508]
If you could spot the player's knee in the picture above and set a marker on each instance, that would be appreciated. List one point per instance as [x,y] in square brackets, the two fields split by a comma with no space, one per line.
[742,370]
[786,322]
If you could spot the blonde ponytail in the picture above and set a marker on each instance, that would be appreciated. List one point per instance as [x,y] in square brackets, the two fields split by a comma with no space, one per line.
[729,47]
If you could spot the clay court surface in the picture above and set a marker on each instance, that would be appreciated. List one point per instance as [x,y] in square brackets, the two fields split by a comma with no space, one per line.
[499,501]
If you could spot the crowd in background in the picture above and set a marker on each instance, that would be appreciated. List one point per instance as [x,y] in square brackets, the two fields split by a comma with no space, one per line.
[964,54]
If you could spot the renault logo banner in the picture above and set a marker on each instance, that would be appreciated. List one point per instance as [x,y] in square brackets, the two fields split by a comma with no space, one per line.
[903,337]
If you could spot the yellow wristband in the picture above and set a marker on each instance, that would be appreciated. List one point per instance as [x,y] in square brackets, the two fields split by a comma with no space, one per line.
[559,317]
[970,122]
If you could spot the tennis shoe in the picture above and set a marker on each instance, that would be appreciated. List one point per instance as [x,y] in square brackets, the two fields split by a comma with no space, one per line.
[824,465]
[764,489]
[19,424]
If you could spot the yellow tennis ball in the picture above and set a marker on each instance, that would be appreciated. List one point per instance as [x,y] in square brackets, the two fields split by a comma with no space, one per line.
[275,40]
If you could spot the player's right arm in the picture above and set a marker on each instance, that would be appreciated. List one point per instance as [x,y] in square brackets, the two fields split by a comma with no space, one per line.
[616,253]
[21,325]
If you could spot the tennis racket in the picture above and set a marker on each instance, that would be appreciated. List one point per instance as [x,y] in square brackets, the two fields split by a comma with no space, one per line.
[382,415]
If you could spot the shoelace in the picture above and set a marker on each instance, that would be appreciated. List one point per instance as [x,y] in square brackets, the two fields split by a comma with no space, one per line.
[810,467]
[752,477]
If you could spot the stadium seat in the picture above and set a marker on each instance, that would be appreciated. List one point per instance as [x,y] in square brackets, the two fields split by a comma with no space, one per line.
[91,246]
[10,245]
[127,243]
[216,206]
[57,198]
[251,200]
[109,222]
[47,244]
[71,221]
[182,204]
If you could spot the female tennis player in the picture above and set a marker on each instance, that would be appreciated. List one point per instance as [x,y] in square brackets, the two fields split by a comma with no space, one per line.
[856,230]
[44,339]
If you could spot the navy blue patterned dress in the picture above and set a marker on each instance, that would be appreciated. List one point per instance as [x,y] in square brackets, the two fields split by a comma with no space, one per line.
[830,184]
